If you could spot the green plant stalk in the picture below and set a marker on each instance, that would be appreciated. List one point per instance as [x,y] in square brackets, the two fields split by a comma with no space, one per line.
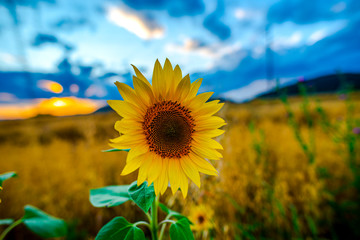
[7,230]
[296,130]
[162,231]
[163,223]
[154,219]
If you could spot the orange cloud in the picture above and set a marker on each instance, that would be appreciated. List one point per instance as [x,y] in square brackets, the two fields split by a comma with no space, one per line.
[50,86]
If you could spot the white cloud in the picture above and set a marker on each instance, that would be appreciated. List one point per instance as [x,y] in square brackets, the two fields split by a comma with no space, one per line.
[135,23]
[287,42]
[317,36]
[193,46]
[258,51]
[113,79]
[254,89]
[326,31]
[8,58]
[248,14]
[247,92]
[95,91]
[339,7]
[240,13]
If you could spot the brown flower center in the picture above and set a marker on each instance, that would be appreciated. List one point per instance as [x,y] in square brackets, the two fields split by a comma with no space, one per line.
[201,219]
[168,127]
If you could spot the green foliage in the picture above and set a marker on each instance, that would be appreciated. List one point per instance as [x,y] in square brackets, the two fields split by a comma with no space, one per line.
[120,229]
[116,150]
[248,230]
[43,224]
[7,221]
[172,213]
[295,220]
[308,147]
[142,195]
[180,230]
[312,226]
[109,196]
[6,176]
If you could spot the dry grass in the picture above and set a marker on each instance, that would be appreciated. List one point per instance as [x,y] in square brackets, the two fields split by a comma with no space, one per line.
[266,187]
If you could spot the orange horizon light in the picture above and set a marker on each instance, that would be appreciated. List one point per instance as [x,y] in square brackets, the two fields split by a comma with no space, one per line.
[65,106]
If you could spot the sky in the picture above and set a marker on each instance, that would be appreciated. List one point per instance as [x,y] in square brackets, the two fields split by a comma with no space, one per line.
[238,47]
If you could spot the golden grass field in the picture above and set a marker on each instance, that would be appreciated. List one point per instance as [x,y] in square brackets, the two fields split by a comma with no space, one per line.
[269,185]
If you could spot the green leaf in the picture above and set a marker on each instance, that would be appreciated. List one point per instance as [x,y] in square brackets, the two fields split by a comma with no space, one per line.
[109,196]
[6,176]
[43,224]
[181,230]
[312,225]
[142,195]
[116,150]
[120,229]
[172,213]
[135,233]
[7,221]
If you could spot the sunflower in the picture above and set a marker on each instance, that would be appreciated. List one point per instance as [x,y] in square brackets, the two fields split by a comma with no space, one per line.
[201,217]
[168,128]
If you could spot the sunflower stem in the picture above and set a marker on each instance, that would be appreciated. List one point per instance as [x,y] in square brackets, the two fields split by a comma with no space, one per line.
[154,218]
[7,230]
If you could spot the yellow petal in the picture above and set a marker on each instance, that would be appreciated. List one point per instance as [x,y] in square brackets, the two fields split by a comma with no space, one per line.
[159,86]
[127,141]
[161,181]
[126,145]
[203,165]
[199,100]
[208,133]
[173,171]
[194,89]
[208,109]
[184,184]
[205,152]
[127,138]
[131,166]
[127,126]
[141,76]
[209,123]
[169,77]
[190,170]
[136,151]
[120,146]
[157,187]
[144,168]
[130,96]
[155,168]
[164,176]
[177,75]
[143,91]
[183,88]
[126,109]
[208,142]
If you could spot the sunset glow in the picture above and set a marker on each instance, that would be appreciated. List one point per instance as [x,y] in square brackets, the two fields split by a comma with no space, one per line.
[66,106]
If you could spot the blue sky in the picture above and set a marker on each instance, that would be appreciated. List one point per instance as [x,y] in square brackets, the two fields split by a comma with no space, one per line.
[92,43]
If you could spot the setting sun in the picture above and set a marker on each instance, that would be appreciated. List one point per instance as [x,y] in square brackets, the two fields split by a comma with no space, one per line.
[66,106]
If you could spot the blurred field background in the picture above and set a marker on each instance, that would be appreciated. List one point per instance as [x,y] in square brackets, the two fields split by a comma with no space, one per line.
[290,171]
